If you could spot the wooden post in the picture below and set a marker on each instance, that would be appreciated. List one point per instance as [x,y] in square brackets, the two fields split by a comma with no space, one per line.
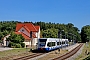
[31,40]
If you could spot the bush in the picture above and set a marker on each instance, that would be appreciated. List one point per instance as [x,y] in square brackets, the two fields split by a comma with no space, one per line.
[23,45]
[0,41]
[18,46]
[11,44]
[87,58]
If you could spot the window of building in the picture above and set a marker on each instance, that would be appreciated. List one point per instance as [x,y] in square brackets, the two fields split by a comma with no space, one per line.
[22,30]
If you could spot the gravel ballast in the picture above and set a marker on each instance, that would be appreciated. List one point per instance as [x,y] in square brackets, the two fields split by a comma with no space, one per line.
[76,55]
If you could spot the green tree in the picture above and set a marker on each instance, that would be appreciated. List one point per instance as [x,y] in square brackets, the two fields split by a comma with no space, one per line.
[85,33]
[47,29]
[16,40]
[50,33]
[50,30]
[6,27]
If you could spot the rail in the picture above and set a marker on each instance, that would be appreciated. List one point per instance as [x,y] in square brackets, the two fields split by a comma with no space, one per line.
[29,56]
[69,54]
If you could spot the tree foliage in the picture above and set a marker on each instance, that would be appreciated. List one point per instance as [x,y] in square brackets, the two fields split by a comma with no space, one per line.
[50,33]
[48,30]
[16,40]
[85,33]
[6,27]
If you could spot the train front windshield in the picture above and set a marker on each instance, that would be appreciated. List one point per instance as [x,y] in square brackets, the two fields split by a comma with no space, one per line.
[42,42]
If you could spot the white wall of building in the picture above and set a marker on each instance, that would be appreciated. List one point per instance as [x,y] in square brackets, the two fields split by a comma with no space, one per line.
[5,43]
[39,33]
[24,31]
[34,42]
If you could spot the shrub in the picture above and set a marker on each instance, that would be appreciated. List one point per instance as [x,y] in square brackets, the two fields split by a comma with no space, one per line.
[0,41]
[87,58]
[18,46]
[11,44]
[23,45]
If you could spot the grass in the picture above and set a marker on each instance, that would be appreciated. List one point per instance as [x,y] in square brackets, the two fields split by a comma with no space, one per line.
[12,52]
[52,55]
[16,52]
[83,55]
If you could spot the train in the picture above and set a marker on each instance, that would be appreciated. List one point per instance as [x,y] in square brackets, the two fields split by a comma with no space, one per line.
[49,44]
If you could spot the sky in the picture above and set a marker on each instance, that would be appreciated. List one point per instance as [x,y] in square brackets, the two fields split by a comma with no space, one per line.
[76,12]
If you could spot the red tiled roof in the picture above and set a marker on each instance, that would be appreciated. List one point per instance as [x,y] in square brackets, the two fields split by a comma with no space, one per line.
[18,26]
[24,35]
[29,27]
[26,28]
[37,27]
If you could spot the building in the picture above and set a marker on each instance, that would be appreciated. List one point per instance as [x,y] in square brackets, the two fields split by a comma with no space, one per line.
[25,29]
[5,43]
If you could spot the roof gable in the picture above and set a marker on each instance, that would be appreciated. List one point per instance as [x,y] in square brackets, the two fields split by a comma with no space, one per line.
[25,36]
[28,26]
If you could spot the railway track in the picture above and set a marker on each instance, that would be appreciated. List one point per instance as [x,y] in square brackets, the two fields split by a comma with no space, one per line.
[29,56]
[69,54]
[63,57]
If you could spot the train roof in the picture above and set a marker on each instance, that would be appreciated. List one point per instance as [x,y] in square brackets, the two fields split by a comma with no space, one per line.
[54,39]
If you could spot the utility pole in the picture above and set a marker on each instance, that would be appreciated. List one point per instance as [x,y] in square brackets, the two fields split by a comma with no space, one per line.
[59,36]
[31,40]
[59,40]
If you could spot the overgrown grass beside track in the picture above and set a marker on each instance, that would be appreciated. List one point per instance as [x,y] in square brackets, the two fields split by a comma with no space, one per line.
[53,54]
[84,55]
[16,52]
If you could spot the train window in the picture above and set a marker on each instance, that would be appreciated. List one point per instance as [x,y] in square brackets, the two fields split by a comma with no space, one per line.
[63,42]
[42,40]
[51,44]
[58,43]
